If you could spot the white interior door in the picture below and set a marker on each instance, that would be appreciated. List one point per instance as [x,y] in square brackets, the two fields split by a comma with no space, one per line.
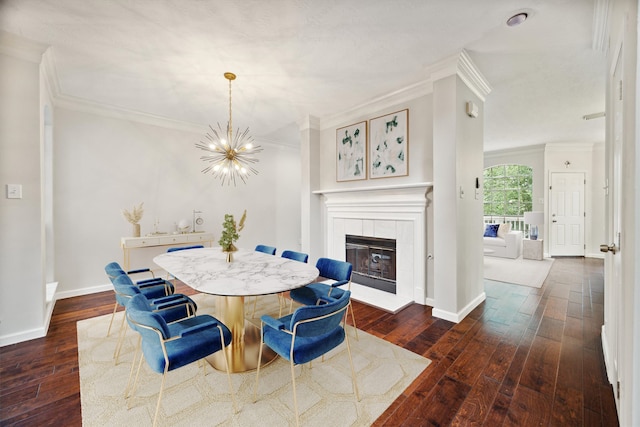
[566,232]
[614,326]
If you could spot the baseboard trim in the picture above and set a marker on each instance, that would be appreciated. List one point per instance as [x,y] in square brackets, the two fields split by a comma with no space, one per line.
[83,291]
[22,336]
[457,317]
[608,363]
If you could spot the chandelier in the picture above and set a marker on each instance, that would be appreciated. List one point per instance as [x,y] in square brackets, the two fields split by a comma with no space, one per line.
[229,156]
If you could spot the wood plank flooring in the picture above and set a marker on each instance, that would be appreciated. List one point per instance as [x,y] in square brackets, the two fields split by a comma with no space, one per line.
[523,357]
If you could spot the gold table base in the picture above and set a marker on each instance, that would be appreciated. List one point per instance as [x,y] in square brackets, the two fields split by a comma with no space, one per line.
[243,351]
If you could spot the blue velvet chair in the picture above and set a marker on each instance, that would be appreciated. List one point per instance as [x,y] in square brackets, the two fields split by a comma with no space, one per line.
[114,270]
[331,269]
[310,332]
[154,287]
[173,307]
[296,256]
[166,347]
[184,248]
[266,249]
[293,255]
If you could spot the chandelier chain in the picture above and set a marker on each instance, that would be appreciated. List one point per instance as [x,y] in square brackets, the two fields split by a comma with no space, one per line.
[230,116]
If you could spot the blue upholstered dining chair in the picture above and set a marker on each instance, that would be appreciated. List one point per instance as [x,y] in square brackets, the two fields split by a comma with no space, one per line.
[331,269]
[174,307]
[310,332]
[184,248]
[154,287]
[166,348]
[296,256]
[293,255]
[266,249]
[114,270]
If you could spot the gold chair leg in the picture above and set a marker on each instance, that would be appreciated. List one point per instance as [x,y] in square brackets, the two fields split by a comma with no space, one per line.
[255,388]
[135,382]
[121,335]
[255,301]
[353,372]
[115,308]
[133,364]
[280,302]
[353,320]
[226,364]
[155,418]
[295,399]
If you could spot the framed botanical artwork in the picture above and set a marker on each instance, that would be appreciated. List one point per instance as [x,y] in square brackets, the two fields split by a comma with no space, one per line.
[389,145]
[351,150]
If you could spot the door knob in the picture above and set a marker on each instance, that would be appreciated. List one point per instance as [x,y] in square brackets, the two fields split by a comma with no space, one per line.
[609,248]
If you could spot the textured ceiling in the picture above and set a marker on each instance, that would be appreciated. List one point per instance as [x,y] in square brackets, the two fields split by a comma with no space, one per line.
[299,57]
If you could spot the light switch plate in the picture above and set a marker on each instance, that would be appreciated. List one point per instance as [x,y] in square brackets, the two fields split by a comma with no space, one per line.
[14,191]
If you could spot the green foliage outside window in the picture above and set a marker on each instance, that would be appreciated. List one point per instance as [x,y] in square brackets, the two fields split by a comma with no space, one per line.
[508,190]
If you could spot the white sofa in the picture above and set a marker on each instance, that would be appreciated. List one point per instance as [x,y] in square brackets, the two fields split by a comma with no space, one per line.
[509,247]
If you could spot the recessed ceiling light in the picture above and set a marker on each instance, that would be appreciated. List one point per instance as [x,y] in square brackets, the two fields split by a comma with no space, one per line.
[517,19]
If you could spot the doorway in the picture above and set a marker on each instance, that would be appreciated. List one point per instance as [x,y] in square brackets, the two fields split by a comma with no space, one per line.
[566,233]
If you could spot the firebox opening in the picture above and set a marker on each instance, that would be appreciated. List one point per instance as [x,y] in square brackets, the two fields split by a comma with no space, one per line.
[373,260]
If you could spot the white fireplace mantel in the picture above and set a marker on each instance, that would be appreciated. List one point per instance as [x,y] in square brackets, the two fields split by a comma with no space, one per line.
[392,212]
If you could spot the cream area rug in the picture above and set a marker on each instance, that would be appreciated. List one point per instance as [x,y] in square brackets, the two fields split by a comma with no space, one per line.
[190,398]
[527,272]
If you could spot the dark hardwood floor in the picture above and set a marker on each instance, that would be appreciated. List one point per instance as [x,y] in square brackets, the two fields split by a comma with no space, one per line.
[523,357]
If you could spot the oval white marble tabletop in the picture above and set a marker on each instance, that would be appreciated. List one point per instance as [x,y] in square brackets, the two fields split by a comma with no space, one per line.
[250,273]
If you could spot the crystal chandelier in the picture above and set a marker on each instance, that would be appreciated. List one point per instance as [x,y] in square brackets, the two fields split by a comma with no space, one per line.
[229,156]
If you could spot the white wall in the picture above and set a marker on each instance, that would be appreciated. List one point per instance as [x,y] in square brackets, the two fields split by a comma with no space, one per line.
[420,145]
[458,160]
[104,164]
[22,282]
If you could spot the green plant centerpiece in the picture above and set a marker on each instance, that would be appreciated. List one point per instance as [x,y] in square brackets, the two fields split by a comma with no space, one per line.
[230,234]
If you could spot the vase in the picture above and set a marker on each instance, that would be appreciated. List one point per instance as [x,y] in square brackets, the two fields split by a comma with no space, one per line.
[136,230]
[533,232]
[229,252]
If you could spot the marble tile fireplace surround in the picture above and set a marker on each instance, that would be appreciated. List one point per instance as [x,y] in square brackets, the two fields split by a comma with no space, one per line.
[389,212]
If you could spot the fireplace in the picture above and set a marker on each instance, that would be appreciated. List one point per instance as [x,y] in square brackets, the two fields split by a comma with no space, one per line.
[373,260]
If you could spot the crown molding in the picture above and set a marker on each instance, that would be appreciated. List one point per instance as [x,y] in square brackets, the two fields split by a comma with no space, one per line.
[463,66]
[49,71]
[570,146]
[21,48]
[309,122]
[392,99]
[87,106]
[601,26]
[529,149]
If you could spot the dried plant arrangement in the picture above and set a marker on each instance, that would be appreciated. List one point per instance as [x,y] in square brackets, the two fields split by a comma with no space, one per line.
[134,216]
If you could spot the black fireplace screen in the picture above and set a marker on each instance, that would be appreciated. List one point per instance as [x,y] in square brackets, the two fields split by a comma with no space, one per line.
[373,260]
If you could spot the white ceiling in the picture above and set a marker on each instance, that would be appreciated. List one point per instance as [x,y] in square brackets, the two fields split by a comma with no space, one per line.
[298,57]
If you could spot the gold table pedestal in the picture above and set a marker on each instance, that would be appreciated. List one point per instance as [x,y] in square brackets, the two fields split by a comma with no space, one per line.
[243,351]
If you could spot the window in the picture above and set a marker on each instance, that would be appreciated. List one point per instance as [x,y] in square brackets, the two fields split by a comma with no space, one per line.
[508,190]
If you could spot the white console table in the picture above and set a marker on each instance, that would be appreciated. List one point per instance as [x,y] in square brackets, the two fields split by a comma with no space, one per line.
[168,240]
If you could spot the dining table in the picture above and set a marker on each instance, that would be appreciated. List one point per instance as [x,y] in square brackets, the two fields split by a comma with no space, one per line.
[249,273]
